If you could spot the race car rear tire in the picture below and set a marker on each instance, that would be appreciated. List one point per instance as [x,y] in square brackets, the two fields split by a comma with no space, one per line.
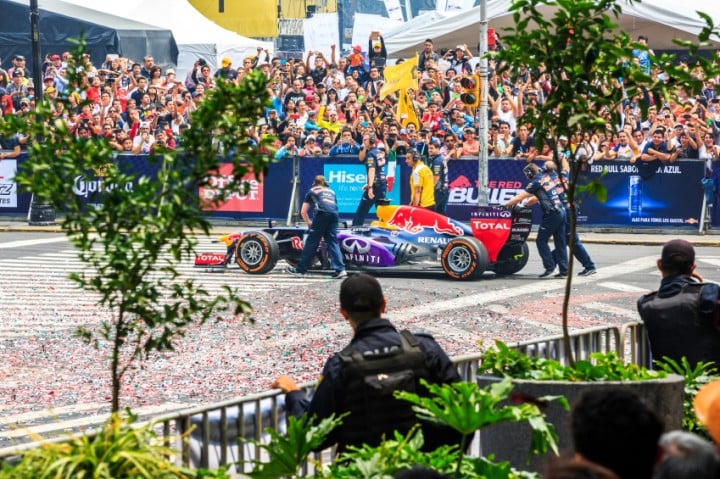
[464,258]
[257,252]
[511,260]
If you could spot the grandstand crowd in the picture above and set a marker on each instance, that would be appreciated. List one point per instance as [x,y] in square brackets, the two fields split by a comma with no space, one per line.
[324,104]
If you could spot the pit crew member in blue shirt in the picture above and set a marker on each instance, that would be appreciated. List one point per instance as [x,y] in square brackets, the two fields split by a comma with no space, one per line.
[324,225]
[375,189]
[545,185]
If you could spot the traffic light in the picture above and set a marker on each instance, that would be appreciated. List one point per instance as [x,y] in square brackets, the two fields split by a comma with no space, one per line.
[471,85]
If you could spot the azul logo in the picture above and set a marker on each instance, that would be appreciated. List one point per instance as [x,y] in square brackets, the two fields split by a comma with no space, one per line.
[355,245]
[341,176]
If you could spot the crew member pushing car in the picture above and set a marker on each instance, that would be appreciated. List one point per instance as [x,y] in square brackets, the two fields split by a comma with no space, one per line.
[545,185]
[323,226]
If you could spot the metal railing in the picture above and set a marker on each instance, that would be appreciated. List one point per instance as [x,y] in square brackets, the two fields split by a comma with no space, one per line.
[217,434]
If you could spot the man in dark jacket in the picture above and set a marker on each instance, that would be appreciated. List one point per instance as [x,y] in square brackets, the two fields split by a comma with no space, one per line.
[681,317]
[375,339]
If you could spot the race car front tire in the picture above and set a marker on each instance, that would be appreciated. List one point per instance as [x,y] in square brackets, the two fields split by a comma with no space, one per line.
[464,258]
[257,252]
[512,259]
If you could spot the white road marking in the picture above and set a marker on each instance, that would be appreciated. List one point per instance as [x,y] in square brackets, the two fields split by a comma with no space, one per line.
[33,242]
[540,286]
[628,288]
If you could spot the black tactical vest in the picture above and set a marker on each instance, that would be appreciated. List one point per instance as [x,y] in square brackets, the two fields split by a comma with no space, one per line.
[370,380]
[675,327]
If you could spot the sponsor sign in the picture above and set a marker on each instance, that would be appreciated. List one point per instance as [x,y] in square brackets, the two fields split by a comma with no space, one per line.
[212,259]
[670,197]
[8,187]
[347,182]
[251,200]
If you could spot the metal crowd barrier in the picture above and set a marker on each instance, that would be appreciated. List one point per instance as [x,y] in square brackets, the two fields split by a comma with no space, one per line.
[211,436]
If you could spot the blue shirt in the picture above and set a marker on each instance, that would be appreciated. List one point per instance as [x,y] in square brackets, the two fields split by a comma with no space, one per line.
[546,186]
[323,198]
[341,149]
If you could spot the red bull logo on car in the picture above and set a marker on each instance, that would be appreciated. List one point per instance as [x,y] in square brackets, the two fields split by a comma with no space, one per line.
[415,220]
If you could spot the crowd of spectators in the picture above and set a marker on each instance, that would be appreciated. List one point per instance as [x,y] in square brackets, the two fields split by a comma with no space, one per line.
[324,104]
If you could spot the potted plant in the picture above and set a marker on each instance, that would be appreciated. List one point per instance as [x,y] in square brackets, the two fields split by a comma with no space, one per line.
[534,378]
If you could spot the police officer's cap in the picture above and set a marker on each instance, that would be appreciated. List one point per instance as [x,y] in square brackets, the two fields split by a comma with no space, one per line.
[678,255]
[361,293]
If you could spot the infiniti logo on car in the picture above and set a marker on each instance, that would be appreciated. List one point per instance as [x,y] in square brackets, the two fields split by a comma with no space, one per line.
[356,245]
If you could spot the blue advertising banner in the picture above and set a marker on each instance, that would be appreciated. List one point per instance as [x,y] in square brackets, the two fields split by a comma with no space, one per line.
[670,197]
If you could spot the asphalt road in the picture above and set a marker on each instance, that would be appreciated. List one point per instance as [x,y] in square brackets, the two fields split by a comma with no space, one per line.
[47,375]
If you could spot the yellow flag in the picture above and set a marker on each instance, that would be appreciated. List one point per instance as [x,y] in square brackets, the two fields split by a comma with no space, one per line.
[400,77]
[405,111]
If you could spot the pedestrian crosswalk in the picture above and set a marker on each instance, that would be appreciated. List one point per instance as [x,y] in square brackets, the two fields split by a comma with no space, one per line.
[38,297]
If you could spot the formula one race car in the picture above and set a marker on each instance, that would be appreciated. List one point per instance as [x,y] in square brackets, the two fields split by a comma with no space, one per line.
[403,237]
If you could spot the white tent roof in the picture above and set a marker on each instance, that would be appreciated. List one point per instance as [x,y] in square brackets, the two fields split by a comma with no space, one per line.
[196,35]
[660,20]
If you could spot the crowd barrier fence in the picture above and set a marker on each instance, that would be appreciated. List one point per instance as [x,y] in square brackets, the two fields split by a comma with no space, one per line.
[671,197]
[213,432]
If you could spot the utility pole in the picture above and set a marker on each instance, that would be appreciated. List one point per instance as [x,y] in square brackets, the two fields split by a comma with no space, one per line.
[36,60]
[483,193]
[38,214]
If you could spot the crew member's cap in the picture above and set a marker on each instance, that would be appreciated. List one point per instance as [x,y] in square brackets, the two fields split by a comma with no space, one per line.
[357,48]
[226,62]
[707,408]
[320,181]
[678,254]
[361,293]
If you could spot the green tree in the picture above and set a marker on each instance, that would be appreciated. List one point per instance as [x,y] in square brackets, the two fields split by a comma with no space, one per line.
[591,68]
[138,229]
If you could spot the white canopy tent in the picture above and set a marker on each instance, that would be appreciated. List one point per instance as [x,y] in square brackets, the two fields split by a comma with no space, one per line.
[660,20]
[196,35]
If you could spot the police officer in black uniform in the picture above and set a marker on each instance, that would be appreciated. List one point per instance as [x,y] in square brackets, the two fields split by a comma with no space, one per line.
[546,186]
[362,303]
[681,317]
[375,190]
